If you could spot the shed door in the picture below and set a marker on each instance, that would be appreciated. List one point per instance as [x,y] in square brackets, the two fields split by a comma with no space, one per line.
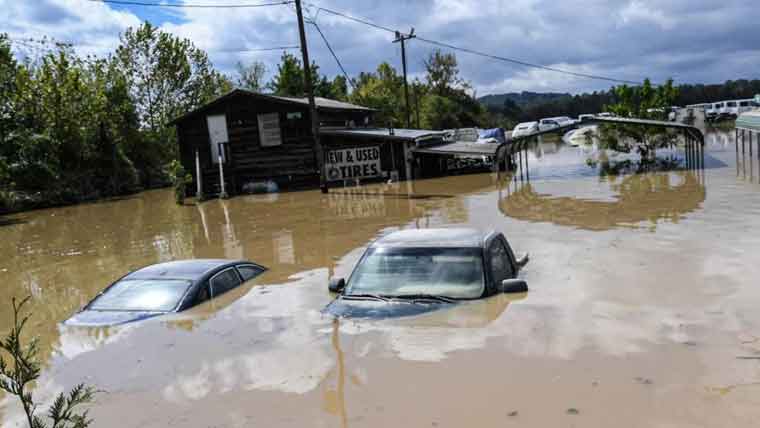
[217,133]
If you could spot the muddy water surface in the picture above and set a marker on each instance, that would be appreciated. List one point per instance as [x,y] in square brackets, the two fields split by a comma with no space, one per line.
[643,294]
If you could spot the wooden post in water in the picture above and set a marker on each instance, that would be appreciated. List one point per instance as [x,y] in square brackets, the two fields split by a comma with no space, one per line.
[223,192]
[198,178]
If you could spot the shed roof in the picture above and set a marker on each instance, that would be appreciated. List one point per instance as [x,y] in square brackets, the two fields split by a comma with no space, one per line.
[383,133]
[749,120]
[323,104]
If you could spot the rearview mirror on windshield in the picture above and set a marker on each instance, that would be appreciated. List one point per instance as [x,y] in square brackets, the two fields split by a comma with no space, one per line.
[336,285]
[514,285]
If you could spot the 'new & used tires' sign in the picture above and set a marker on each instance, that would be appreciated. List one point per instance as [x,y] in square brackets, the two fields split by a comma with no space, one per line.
[356,162]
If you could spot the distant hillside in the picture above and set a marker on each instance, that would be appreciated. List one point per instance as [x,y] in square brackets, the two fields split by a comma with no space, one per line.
[522,99]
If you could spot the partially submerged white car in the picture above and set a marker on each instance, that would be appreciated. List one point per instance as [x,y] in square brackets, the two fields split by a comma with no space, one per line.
[410,272]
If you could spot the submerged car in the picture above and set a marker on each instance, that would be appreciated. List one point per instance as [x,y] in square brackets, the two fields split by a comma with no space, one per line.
[410,272]
[164,288]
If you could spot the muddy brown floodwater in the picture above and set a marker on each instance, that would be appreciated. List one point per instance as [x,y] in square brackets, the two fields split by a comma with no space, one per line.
[644,291]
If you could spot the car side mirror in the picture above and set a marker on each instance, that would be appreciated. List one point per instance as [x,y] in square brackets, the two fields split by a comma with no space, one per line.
[336,285]
[514,285]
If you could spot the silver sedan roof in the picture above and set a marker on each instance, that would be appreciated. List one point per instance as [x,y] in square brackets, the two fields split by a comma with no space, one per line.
[440,238]
[181,269]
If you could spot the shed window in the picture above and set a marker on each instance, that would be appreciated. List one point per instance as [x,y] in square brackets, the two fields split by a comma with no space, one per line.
[269,129]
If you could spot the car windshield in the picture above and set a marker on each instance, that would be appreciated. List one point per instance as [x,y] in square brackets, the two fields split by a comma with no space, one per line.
[450,272]
[159,295]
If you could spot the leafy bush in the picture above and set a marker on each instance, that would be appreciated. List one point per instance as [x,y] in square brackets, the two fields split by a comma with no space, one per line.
[180,179]
[23,369]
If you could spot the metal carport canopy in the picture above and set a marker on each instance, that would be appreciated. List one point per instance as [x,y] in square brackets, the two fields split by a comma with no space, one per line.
[460,148]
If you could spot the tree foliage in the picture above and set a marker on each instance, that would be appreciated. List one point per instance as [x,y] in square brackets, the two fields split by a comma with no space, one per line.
[251,76]
[643,102]
[289,80]
[23,369]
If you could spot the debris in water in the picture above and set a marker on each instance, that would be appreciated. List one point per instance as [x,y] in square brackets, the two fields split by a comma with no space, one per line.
[643,380]
[512,414]
[572,411]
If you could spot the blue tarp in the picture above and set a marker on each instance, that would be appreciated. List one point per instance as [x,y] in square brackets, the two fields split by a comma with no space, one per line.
[496,133]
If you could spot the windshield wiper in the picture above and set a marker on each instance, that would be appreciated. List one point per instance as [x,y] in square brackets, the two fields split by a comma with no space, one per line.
[365,296]
[434,297]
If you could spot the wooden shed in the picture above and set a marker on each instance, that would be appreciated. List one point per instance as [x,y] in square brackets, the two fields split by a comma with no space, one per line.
[257,138]
[265,142]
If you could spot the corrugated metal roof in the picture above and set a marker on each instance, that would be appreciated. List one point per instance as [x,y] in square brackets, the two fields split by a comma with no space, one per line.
[460,148]
[383,133]
[323,103]
[749,120]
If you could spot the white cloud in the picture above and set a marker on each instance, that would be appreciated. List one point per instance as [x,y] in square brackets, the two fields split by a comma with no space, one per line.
[628,39]
[638,11]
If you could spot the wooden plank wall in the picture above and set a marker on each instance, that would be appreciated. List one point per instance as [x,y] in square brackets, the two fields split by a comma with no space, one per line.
[290,164]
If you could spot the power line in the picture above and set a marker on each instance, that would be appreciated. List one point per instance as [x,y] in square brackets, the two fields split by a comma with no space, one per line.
[523,63]
[186,5]
[352,18]
[275,48]
[348,79]
[478,53]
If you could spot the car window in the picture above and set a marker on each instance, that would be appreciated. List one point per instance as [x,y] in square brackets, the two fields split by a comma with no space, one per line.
[450,272]
[249,271]
[158,295]
[203,294]
[501,266]
[224,281]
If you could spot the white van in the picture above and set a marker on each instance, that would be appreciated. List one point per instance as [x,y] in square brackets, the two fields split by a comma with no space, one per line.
[712,111]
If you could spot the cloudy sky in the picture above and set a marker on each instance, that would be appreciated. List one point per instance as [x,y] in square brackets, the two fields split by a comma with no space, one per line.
[689,40]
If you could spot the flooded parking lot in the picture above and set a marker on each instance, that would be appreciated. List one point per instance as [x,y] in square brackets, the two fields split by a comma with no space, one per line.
[643,304]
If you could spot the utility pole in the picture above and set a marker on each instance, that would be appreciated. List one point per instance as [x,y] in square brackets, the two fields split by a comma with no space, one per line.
[319,153]
[402,38]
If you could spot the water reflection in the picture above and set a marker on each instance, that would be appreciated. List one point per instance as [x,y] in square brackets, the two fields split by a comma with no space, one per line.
[264,355]
[639,198]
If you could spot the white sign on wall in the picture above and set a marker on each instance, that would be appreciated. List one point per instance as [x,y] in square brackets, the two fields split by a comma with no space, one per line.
[217,133]
[269,129]
[356,162]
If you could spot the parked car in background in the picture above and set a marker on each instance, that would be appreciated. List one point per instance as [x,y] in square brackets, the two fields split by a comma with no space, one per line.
[547,124]
[164,288]
[415,271]
[583,117]
[712,111]
[606,114]
[746,105]
[525,128]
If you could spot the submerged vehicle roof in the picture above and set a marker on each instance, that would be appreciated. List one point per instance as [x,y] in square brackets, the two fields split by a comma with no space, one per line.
[180,269]
[440,238]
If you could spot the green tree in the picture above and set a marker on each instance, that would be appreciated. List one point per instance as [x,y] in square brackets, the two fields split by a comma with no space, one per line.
[289,80]
[383,91]
[167,76]
[443,73]
[643,102]
[251,76]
